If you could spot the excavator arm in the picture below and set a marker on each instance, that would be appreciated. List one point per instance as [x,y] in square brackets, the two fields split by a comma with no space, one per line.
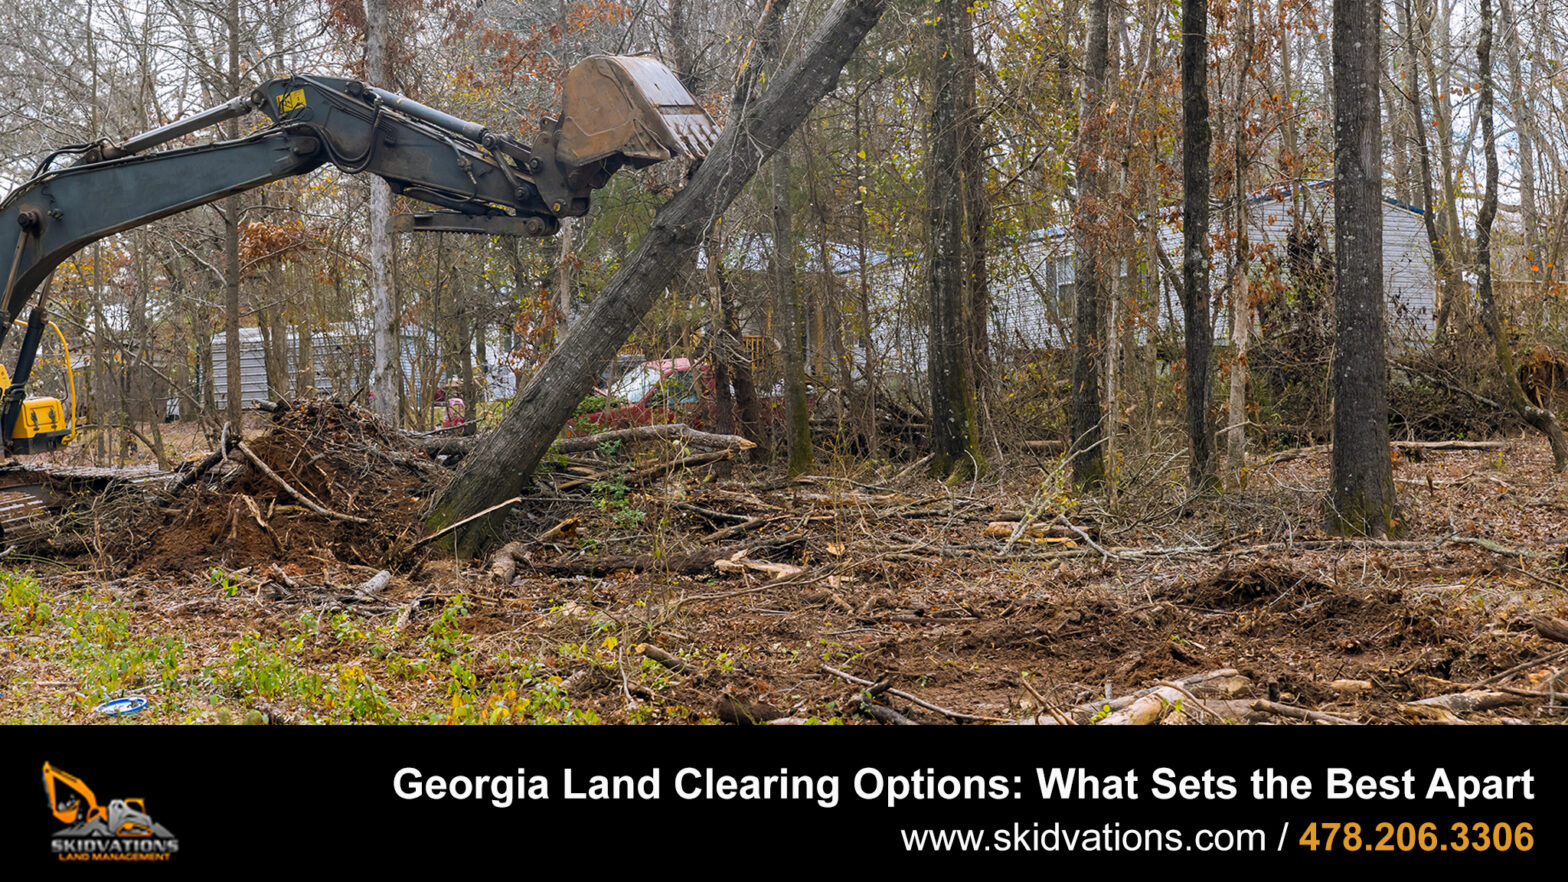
[616,112]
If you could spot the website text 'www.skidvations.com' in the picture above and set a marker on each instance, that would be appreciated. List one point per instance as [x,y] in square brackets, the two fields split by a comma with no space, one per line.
[1060,838]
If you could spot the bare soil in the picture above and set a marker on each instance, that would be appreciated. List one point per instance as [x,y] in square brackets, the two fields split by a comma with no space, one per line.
[897,580]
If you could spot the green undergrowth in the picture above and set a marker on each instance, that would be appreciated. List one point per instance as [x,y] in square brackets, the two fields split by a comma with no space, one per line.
[67,651]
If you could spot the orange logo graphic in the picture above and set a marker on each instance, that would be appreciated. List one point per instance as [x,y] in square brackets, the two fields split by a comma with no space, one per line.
[121,830]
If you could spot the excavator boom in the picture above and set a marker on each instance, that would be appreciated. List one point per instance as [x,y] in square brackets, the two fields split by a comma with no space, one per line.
[616,112]
[74,801]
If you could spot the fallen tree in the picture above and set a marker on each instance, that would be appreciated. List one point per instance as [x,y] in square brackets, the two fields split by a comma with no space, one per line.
[504,461]
[462,446]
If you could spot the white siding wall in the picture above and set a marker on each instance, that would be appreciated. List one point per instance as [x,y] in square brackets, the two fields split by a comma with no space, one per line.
[337,354]
[1408,280]
[1031,295]
[1025,314]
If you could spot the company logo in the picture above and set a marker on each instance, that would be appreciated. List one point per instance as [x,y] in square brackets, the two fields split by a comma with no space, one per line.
[119,831]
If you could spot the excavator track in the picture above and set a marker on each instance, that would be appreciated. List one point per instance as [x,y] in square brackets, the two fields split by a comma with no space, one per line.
[30,493]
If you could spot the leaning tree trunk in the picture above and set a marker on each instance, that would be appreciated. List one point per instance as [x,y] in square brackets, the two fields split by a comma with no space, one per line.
[503,464]
[1361,477]
[1198,334]
[1540,418]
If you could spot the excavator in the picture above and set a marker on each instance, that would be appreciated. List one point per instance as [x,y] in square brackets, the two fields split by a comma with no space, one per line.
[616,112]
[75,804]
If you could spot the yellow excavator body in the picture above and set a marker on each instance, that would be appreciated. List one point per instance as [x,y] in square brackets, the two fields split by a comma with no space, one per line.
[42,426]
[45,423]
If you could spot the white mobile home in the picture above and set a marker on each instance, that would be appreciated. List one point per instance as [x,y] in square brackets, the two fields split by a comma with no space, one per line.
[342,359]
[1032,294]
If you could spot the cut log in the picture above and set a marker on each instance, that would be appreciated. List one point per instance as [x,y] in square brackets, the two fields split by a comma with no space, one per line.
[692,564]
[643,476]
[1299,713]
[1469,702]
[1551,629]
[739,712]
[668,432]
[673,662]
[1224,683]
[1004,529]
[1147,709]
[193,474]
[1298,452]
[564,530]
[374,585]
[503,566]
[739,563]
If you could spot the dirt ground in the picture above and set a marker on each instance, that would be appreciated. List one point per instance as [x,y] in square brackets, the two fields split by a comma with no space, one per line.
[231,602]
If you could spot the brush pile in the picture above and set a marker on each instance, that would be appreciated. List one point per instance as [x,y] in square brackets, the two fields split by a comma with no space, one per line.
[326,481]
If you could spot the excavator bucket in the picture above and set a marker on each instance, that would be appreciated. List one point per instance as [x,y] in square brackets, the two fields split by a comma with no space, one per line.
[632,107]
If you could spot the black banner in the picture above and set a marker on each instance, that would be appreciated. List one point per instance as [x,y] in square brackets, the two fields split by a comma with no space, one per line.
[779,799]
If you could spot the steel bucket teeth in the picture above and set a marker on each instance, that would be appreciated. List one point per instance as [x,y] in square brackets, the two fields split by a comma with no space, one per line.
[633,107]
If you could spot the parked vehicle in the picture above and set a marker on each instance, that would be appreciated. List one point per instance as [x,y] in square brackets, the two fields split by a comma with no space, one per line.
[450,410]
[671,390]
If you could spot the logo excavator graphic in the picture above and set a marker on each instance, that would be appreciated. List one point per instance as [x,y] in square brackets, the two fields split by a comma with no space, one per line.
[74,804]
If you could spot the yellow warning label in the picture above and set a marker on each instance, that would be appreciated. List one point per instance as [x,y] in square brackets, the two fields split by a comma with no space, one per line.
[291,101]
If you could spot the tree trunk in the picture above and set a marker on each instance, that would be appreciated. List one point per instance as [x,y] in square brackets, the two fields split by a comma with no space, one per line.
[465,336]
[954,435]
[1450,231]
[1195,238]
[1240,331]
[1241,293]
[1088,429]
[787,296]
[737,361]
[385,382]
[1523,115]
[503,464]
[1361,498]
[1448,282]
[231,246]
[304,360]
[1539,418]
[974,166]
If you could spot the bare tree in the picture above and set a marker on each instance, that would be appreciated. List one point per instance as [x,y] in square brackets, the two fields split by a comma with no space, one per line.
[1361,478]
[954,433]
[787,299]
[1539,418]
[1088,417]
[1198,333]
[231,246]
[385,383]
